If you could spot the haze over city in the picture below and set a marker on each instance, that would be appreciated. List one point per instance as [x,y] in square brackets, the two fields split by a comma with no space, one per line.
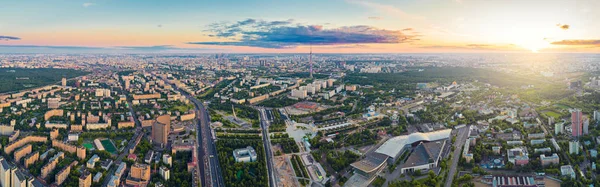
[336,26]
[330,93]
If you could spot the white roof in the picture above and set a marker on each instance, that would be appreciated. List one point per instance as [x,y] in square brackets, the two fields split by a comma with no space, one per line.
[393,146]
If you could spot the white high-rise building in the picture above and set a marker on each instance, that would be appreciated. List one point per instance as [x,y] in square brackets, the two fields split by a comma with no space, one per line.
[586,125]
[559,128]
[596,116]
[5,173]
[574,147]
[19,179]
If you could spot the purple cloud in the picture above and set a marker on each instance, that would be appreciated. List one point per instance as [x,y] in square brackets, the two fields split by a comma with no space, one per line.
[286,34]
[7,38]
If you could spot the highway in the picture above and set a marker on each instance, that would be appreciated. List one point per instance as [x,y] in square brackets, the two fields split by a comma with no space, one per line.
[208,162]
[461,137]
[264,124]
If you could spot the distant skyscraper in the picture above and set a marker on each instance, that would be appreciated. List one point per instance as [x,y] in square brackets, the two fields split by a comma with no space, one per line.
[576,122]
[310,63]
[160,129]
[64,82]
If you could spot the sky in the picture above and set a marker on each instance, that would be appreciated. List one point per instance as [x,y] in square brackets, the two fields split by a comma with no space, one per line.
[282,26]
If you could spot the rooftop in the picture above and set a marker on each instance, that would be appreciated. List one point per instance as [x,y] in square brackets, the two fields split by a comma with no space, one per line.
[371,162]
[393,146]
[424,153]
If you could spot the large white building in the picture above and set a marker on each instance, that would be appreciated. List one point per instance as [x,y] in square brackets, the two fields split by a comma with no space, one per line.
[5,172]
[247,154]
[567,170]
[19,179]
[394,147]
[559,128]
[574,147]
[547,160]
[424,157]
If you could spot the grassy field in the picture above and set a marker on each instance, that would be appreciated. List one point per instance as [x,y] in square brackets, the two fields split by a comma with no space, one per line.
[15,79]
[88,146]
[108,146]
[553,114]
[562,106]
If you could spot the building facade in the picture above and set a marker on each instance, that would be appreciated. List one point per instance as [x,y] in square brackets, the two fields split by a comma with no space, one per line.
[160,129]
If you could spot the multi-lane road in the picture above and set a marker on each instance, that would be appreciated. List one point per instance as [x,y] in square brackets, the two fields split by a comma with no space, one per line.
[208,162]
[461,137]
[264,124]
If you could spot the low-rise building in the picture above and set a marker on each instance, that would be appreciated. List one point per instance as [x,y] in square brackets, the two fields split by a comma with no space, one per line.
[106,164]
[247,154]
[91,163]
[547,160]
[97,177]
[518,156]
[567,170]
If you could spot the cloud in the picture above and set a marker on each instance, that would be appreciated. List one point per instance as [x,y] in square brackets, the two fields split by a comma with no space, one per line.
[7,38]
[375,18]
[286,34]
[87,49]
[88,4]
[148,48]
[488,47]
[577,42]
[225,29]
[159,25]
[351,46]
[479,45]
[563,26]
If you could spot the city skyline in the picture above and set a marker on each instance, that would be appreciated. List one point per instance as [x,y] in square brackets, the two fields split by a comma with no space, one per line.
[378,26]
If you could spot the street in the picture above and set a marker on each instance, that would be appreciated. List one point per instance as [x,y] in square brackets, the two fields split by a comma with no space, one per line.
[207,163]
[461,137]
[264,124]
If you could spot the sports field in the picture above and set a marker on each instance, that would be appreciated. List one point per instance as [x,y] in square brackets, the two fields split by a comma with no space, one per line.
[88,146]
[109,146]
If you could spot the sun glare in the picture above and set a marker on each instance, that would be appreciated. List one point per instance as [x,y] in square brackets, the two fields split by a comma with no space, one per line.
[535,45]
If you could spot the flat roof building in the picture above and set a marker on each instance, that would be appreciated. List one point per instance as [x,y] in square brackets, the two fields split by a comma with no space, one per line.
[395,146]
[424,157]
[247,154]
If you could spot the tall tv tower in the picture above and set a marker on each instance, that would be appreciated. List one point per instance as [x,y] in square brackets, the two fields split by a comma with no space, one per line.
[310,62]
